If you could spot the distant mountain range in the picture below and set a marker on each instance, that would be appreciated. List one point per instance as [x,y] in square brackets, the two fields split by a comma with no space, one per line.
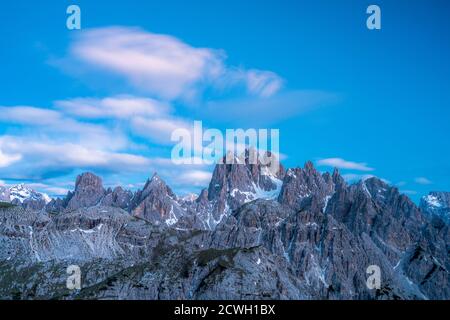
[24,195]
[252,234]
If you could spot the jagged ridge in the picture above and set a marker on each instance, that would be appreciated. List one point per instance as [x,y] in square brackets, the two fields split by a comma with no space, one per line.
[295,234]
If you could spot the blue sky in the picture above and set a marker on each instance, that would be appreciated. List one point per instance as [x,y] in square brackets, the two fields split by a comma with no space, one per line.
[370,102]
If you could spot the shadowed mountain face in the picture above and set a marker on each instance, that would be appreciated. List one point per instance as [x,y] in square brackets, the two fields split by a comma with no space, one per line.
[253,234]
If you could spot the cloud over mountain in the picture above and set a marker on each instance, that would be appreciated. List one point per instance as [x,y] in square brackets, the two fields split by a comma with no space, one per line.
[344,164]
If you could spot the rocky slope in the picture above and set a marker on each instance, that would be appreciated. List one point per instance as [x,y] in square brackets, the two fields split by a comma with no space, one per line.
[253,234]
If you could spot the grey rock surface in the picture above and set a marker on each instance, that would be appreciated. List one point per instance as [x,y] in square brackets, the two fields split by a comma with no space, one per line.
[88,192]
[246,179]
[157,203]
[297,234]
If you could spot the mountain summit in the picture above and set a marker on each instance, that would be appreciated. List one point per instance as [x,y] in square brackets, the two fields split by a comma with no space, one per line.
[21,194]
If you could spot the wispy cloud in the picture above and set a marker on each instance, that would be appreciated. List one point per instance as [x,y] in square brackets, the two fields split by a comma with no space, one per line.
[263,83]
[195,177]
[49,189]
[144,117]
[167,81]
[159,64]
[344,164]
[422,180]
[267,110]
[119,107]
[45,122]
[40,157]
[160,129]
[29,115]
[8,159]
[352,177]
[258,83]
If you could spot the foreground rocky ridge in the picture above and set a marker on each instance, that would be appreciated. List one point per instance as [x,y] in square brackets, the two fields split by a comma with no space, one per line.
[253,234]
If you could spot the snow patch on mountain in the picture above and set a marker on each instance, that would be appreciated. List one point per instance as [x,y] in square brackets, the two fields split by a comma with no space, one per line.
[432,201]
[437,204]
[21,192]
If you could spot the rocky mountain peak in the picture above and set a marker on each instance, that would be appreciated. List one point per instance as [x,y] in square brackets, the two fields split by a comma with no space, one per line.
[88,180]
[157,203]
[22,192]
[23,195]
[203,196]
[309,167]
[306,187]
[315,242]
[157,185]
[337,178]
[88,191]
[244,180]
[373,207]
[118,197]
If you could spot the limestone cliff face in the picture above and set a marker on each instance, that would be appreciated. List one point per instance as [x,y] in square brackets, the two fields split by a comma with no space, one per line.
[157,203]
[246,179]
[88,192]
[306,187]
[253,234]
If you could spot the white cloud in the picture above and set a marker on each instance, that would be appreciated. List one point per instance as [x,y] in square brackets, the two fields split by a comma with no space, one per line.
[148,118]
[422,180]
[8,159]
[121,107]
[29,115]
[48,189]
[195,177]
[46,122]
[50,142]
[40,155]
[263,83]
[84,133]
[344,164]
[256,82]
[351,177]
[158,130]
[161,64]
